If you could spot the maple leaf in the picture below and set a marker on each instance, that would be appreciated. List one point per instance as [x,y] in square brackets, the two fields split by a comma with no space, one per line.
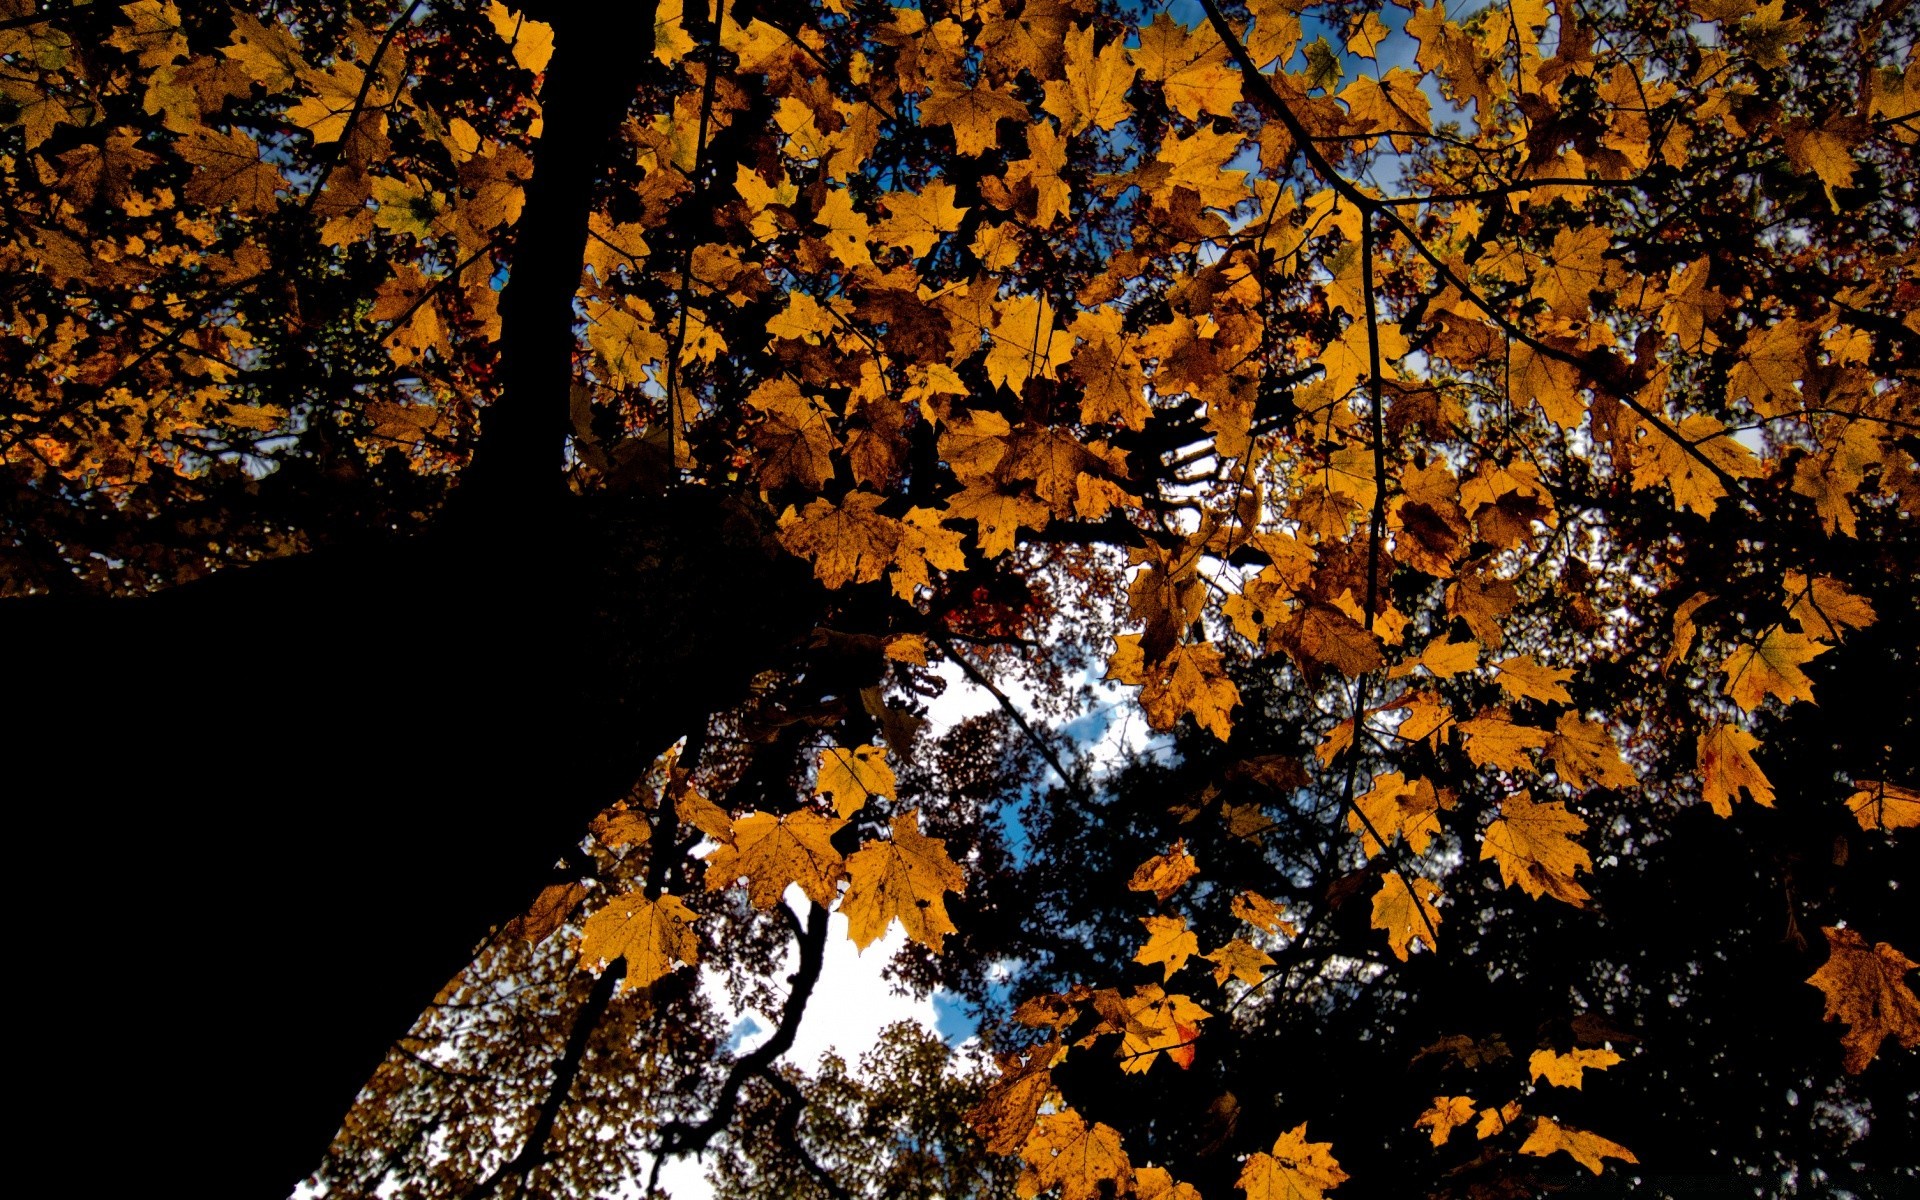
[1404,909]
[548,912]
[1824,607]
[1659,458]
[1447,1114]
[1164,874]
[1584,754]
[1094,92]
[1262,913]
[796,439]
[998,516]
[1083,1161]
[654,936]
[917,219]
[1564,1070]
[1394,807]
[848,542]
[1294,1169]
[1169,943]
[1533,844]
[1524,679]
[620,826]
[1156,1183]
[1771,667]
[1191,680]
[1153,1022]
[925,546]
[848,778]
[1026,343]
[1276,31]
[1191,66]
[1494,741]
[904,878]
[703,814]
[972,112]
[1883,806]
[1725,758]
[1332,637]
[229,168]
[847,229]
[1447,659]
[1867,989]
[775,852]
[1240,960]
[532,41]
[1011,1109]
[1587,1149]
[1392,104]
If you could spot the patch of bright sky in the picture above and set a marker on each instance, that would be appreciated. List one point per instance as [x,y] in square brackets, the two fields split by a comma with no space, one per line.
[854,1000]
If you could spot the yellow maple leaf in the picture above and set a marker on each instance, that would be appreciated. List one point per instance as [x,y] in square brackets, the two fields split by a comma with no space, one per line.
[1083,1161]
[1447,1114]
[1824,607]
[548,912]
[1658,458]
[1392,105]
[1241,960]
[654,936]
[1564,1070]
[1587,1149]
[1276,31]
[925,546]
[1533,844]
[917,219]
[1771,667]
[1574,266]
[1883,806]
[1495,1120]
[1395,807]
[1163,874]
[1190,680]
[620,826]
[1094,92]
[1447,659]
[904,879]
[1026,343]
[998,515]
[795,439]
[1157,1183]
[1153,1022]
[773,852]
[1191,66]
[1867,989]
[1295,1169]
[847,229]
[1725,758]
[973,112]
[1011,1109]
[803,319]
[848,778]
[532,41]
[1494,741]
[849,542]
[1404,909]
[1262,913]
[1169,943]
[1584,754]
[1524,679]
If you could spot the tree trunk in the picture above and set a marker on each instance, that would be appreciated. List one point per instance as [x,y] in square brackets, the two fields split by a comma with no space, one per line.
[263,818]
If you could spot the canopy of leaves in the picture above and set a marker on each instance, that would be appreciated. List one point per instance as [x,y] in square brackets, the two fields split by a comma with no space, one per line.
[1430,494]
